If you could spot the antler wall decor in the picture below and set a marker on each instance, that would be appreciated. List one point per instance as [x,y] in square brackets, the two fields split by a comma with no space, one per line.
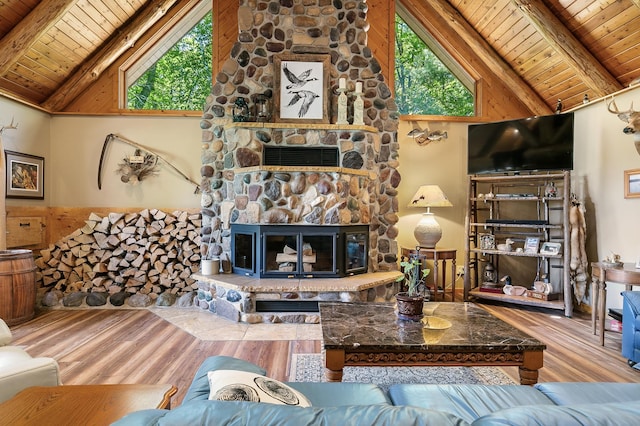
[151,159]
[8,126]
[631,117]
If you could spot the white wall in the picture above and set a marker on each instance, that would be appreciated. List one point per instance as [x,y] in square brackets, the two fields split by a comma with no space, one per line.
[31,137]
[602,154]
[443,163]
[71,146]
[76,146]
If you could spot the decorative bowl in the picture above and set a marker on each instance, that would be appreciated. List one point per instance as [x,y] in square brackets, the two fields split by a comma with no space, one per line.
[514,290]
[435,323]
[607,264]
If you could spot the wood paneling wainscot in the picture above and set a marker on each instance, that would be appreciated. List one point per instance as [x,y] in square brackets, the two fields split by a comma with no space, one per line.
[59,222]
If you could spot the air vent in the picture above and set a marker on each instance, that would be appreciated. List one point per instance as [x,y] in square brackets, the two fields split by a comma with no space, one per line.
[299,156]
[286,306]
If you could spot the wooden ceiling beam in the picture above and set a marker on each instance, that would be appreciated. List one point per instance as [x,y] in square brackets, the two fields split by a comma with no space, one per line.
[586,66]
[485,52]
[19,40]
[91,69]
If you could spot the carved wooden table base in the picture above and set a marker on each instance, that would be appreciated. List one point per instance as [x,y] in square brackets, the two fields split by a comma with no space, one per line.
[370,335]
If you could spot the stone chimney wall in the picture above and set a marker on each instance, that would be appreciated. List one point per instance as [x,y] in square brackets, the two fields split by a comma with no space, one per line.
[238,188]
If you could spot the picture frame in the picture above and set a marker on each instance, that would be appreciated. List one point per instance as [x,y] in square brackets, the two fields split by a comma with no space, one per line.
[632,183]
[550,249]
[24,175]
[531,245]
[487,242]
[301,89]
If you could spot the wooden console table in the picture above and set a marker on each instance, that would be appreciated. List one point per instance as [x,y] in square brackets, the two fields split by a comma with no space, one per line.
[82,404]
[438,254]
[600,273]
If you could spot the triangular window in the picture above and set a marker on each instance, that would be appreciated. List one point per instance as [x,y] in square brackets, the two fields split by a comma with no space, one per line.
[428,81]
[175,74]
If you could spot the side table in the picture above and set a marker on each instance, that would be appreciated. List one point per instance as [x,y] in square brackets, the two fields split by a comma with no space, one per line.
[437,255]
[82,404]
[626,274]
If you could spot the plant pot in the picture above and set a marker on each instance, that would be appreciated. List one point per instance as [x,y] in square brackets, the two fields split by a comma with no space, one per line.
[409,307]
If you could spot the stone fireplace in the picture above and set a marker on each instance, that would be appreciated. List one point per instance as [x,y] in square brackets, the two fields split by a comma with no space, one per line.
[240,185]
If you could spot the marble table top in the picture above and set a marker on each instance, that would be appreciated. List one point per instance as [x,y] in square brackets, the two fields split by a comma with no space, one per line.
[375,326]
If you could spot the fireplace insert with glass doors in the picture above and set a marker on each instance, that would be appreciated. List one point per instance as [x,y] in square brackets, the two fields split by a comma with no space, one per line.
[299,251]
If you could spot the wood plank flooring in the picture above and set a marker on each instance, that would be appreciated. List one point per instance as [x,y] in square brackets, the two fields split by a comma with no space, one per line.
[96,346]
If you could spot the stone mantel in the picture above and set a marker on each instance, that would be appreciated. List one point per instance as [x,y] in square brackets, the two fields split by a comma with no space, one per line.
[317,169]
[305,126]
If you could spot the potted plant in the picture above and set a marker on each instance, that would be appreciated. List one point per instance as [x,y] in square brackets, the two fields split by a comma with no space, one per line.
[411,301]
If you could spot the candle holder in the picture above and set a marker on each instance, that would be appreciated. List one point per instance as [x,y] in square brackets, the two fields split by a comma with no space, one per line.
[342,106]
[358,106]
[262,108]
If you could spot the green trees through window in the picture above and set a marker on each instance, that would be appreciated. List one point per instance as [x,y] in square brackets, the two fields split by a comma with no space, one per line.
[423,84]
[181,78]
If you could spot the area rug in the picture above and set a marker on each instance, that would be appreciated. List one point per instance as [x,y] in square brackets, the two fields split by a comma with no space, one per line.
[310,368]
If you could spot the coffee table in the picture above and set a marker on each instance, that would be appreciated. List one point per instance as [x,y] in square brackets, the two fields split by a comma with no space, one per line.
[82,404]
[370,334]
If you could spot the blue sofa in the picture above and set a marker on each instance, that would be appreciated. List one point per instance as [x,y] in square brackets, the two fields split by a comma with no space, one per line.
[631,326]
[366,404]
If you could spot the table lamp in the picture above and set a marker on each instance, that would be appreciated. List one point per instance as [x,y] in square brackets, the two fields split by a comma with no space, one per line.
[428,231]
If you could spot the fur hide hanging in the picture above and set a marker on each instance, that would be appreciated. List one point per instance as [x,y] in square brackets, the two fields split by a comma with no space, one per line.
[578,260]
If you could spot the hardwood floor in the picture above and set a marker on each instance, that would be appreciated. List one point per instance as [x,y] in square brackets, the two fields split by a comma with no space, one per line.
[136,346]
[573,352]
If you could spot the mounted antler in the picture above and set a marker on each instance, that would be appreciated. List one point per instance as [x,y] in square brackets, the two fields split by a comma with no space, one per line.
[631,117]
[10,126]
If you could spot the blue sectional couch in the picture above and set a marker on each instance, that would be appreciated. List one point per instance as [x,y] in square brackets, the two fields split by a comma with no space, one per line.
[631,326]
[366,404]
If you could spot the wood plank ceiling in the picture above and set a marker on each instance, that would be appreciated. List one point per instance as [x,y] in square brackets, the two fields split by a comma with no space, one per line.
[51,50]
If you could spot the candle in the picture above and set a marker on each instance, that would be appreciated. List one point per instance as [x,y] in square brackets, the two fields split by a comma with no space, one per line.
[358,87]
[343,83]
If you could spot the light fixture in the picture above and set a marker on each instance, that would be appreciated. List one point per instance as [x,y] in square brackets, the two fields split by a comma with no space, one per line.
[428,231]
[241,110]
[426,136]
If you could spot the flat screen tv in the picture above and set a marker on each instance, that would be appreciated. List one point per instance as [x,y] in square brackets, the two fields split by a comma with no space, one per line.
[527,144]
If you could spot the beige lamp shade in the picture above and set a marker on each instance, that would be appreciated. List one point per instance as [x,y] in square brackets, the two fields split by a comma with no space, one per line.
[428,231]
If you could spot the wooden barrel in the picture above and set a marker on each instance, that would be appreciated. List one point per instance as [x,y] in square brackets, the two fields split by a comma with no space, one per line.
[17,286]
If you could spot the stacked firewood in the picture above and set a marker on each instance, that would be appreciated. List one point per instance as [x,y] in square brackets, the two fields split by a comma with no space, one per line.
[149,252]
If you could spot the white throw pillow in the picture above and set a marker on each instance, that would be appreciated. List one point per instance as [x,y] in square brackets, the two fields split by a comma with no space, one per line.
[235,385]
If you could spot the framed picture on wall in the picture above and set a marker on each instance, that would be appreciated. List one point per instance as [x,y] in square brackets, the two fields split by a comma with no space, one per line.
[24,175]
[301,88]
[632,183]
